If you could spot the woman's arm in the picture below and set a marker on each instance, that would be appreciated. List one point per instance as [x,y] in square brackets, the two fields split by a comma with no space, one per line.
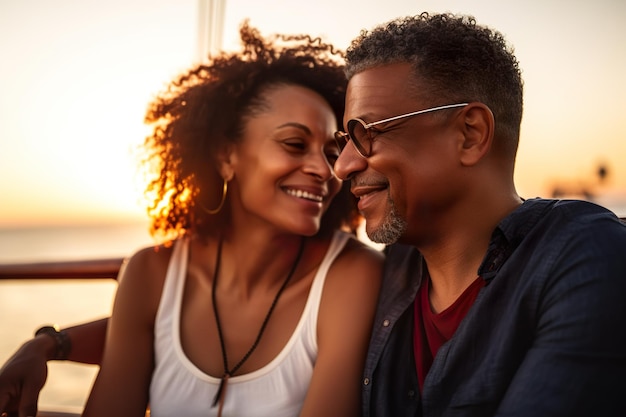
[344,327]
[122,385]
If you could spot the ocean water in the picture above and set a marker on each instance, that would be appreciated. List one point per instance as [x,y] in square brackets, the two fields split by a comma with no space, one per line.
[54,243]
[25,305]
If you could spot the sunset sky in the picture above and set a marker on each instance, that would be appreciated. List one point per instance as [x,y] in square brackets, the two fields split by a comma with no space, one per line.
[76,76]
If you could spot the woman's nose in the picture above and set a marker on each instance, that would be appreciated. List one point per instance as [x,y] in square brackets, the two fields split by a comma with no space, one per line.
[317,164]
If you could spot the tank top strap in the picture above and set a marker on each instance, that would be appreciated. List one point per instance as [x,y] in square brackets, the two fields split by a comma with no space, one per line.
[174,279]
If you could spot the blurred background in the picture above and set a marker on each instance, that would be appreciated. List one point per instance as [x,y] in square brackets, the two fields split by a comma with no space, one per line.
[76,77]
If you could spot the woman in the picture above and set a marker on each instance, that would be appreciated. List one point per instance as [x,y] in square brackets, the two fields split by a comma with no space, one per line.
[261,306]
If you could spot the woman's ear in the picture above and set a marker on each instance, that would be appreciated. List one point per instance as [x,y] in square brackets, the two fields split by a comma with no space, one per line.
[226,161]
[478,126]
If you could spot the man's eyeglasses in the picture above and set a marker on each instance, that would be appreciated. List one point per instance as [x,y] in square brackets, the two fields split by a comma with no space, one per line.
[362,136]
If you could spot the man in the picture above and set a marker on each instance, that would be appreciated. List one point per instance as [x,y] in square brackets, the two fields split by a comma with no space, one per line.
[503,306]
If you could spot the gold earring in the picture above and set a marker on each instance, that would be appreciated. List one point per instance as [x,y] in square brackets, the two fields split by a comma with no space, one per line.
[219,207]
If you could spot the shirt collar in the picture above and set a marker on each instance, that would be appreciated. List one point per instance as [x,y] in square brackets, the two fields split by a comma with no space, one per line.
[509,234]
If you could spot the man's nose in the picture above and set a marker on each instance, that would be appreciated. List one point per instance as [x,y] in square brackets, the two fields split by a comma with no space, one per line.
[349,162]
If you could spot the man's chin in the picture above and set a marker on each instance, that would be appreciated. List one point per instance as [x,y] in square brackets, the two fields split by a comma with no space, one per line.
[388,232]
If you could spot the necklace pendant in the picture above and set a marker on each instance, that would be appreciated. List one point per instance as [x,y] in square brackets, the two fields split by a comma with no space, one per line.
[221,391]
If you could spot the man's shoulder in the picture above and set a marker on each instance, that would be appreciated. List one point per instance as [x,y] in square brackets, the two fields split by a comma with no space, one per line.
[551,215]
[572,208]
[572,229]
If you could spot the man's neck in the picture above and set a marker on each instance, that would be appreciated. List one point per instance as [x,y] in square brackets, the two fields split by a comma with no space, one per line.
[454,257]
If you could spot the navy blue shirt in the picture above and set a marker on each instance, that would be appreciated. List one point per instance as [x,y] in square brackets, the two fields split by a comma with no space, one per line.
[546,336]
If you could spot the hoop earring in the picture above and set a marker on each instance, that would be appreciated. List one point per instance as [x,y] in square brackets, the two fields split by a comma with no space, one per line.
[219,207]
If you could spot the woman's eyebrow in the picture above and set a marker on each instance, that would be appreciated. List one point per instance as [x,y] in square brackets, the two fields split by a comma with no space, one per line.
[296,125]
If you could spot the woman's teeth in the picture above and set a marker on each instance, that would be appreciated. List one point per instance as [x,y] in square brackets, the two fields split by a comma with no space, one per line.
[305,194]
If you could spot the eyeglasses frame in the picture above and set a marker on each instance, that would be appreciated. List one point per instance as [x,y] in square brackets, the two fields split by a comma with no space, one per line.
[340,135]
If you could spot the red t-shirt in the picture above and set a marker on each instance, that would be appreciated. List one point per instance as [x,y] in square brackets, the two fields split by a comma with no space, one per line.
[433,330]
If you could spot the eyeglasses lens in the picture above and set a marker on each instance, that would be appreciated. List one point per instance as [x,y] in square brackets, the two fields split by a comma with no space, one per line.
[360,136]
[342,140]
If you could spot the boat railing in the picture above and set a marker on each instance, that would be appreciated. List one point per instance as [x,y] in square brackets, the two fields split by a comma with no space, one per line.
[83,269]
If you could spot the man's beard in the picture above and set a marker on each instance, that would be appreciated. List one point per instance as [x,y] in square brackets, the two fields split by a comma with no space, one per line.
[392,227]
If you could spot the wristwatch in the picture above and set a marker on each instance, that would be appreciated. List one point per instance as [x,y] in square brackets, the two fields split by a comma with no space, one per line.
[62,340]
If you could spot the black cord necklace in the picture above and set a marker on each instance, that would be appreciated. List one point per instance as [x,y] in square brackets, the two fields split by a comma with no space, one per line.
[221,391]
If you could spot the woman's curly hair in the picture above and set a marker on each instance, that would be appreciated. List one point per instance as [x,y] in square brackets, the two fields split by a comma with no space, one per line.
[207,107]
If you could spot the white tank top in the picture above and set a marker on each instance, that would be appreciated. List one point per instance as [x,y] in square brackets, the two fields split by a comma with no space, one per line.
[179,388]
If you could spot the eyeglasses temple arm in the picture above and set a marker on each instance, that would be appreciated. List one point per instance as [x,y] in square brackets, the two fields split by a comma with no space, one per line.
[415,113]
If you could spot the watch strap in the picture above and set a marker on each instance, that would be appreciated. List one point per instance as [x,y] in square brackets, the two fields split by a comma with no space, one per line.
[61,338]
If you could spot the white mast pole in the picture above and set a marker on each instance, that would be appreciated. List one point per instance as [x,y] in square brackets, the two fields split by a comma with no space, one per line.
[210,27]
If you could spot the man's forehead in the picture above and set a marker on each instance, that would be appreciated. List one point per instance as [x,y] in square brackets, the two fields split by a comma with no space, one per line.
[386,75]
[377,88]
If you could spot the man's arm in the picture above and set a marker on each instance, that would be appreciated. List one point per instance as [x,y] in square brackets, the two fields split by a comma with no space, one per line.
[87,341]
[577,363]
[23,376]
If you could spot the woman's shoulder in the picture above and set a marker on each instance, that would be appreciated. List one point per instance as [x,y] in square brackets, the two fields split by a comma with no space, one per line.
[148,262]
[358,262]
[150,255]
[141,281]
[351,288]
[357,251]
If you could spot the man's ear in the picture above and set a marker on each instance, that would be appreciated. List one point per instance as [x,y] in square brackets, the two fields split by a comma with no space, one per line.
[226,160]
[478,126]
